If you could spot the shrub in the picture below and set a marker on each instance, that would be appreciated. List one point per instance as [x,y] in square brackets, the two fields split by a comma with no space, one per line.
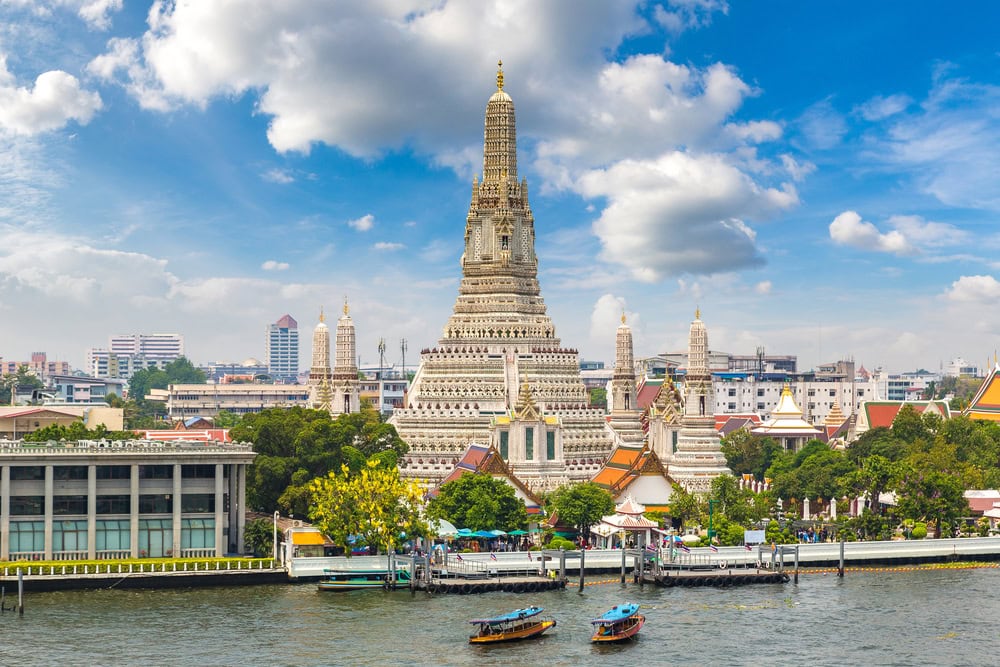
[919,531]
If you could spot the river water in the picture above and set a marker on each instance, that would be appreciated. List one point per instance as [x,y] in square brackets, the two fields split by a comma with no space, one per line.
[931,617]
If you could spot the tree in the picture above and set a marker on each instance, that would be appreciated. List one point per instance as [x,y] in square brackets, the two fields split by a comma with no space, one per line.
[479,501]
[749,453]
[599,398]
[582,505]
[373,505]
[22,379]
[259,536]
[931,495]
[685,507]
[226,419]
[876,474]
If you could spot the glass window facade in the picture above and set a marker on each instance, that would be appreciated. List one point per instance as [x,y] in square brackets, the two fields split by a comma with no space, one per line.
[69,472]
[114,472]
[155,503]
[198,503]
[198,471]
[113,535]
[27,472]
[197,533]
[156,538]
[27,505]
[114,504]
[156,472]
[26,536]
[63,505]
[69,535]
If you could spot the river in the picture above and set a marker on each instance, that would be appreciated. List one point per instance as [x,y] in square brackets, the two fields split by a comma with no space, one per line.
[930,617]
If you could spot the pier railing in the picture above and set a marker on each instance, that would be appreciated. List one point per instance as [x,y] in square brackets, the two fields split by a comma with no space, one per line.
[148,567]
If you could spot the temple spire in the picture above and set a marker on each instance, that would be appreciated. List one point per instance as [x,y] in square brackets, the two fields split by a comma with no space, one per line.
[499,75]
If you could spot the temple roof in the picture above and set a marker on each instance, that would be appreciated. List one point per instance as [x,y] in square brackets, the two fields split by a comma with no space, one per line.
[487,461]
[786,420]
[875,414]
[986,403]
[625,465]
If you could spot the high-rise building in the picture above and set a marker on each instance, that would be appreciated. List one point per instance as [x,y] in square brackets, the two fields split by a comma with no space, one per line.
[281,349]
[499,374]
[159,347]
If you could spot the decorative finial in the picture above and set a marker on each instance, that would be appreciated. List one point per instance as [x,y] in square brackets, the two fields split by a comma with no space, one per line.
[499,75]
[623,316]
[322,317]
[346,308]
[697,313]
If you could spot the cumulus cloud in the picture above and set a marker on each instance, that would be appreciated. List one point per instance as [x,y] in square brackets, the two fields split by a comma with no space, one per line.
[849,229]
[387,245]
[975,289]
[362,224]
[680,214]
[96,13]
[910,234]
[763,287]
[279,176]
[606,316]
[55,99]
[272,265]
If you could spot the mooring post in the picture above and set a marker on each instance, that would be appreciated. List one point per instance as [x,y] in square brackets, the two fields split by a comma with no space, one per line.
[20,592]
[840,568]
[623,562]
[642,568]
[583,555]
[796,563]
[562,563]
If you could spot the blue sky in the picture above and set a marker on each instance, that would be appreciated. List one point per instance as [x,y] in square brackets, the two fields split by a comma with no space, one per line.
[822,179]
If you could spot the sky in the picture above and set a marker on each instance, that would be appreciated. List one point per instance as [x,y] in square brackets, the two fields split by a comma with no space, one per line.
[820,179]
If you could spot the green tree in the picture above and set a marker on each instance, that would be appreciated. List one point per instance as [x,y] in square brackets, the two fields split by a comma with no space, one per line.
[22,380]
[749,453]
[582,505]
[226,419]
[599,398]
[876,475]
[259,537]
[931,496]
[374,505]
[685,507]
[479,502]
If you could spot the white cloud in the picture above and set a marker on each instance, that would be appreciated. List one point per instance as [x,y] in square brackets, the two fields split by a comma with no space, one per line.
[279,176]
[386,245]
[272,265]
[975,289]
[910,234]
[680,214]
[822,126]
[605,317]
[948,144]
[684,14]
[54,100]
[763,287]
[94,12]
[362,224]
[798,171]
[849,229]
[880,108]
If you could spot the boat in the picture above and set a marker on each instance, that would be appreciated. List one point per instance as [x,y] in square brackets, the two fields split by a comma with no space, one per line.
[618,624]
[517,625]
[356,580]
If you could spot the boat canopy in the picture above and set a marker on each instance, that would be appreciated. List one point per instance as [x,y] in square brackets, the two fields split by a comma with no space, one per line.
[516,615]
[617,614]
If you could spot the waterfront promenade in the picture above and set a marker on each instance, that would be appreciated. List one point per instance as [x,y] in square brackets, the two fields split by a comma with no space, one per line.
[598,561]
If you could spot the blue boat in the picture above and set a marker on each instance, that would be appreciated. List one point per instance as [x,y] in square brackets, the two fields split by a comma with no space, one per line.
[518,624]
[619,623]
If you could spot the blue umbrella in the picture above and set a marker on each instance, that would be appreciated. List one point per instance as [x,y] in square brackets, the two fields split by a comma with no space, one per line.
[497,533]
[464,532]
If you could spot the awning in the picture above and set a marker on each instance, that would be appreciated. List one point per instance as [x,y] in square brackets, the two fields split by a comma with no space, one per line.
[443,528]
[308,538]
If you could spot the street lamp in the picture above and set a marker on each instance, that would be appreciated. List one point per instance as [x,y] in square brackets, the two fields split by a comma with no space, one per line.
[274,538]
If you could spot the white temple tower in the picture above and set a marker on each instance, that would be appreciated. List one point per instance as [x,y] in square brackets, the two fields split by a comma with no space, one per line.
[499,359]
[345,388]
[320,375]
[698,459]
[626,418]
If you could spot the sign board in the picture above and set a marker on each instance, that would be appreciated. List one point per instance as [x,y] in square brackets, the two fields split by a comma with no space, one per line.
[753,537]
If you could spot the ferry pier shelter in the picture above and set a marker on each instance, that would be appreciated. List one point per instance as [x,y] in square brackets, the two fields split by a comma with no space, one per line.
[95,499]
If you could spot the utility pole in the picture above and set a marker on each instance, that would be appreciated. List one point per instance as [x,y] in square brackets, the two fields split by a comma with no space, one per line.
[406,378]
[381,372]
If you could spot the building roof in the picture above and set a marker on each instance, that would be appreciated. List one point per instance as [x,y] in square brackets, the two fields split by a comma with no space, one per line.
[981,500]
[625,465]
[487,460]
[287,322]
[878,414]
[786,420]
[727,423]
[648,389]
[986,403]
[192,435]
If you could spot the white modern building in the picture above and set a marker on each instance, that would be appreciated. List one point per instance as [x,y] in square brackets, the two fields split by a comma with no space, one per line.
[208,400]
[127,499]
[281,349]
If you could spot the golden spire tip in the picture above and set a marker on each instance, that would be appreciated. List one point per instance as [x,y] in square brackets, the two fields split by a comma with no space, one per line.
[499,74]
[346,308]
[322,317]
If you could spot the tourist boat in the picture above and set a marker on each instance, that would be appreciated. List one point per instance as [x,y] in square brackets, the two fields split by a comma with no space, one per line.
[518,624]
[618,623]
[355,580]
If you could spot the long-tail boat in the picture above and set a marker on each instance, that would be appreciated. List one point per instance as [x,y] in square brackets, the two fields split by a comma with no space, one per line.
[514,626]
[618,624]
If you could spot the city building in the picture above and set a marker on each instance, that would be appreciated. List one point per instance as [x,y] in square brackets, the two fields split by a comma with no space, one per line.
[248,370]
[208,400]
[121,499]
[499,366]
[16,421]
[78,389]
[281,350]
[102,363]
[40,366]
[959,367]
[786,425]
